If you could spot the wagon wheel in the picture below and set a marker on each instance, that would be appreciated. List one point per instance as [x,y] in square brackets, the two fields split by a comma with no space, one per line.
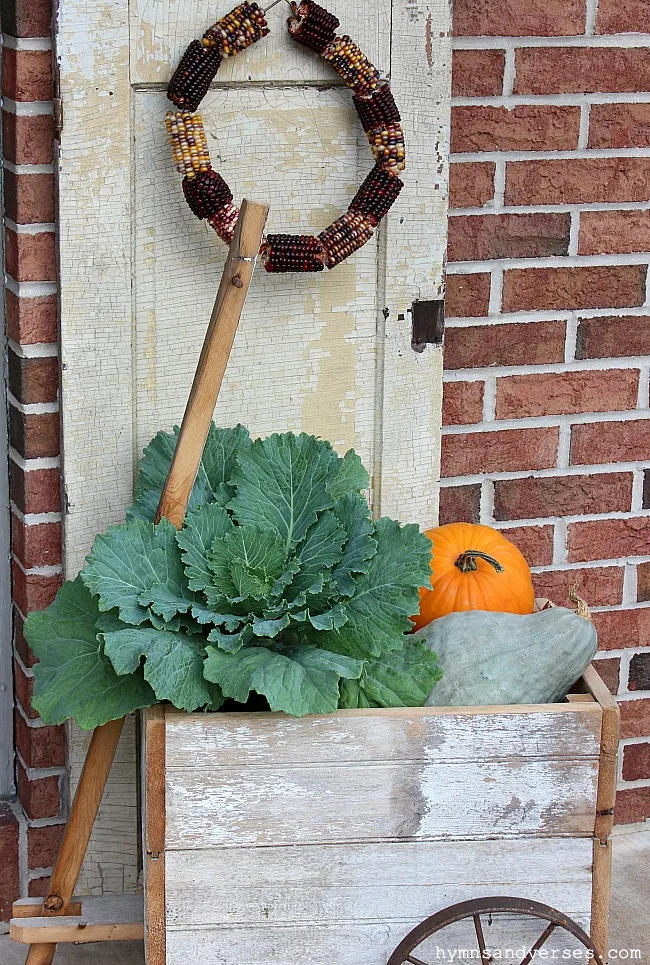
[491,908]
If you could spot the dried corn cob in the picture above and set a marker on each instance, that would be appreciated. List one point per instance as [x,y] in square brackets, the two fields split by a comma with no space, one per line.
[378,109]
[376,195]
[193,76]
[344,236]
[188,142]
[224,221]
[240,28]
[206,193]
[388,148]
[313,26]
[293,253]
[352,65]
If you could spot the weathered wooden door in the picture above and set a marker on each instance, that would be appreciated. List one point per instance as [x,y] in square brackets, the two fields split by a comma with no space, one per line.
[331,354]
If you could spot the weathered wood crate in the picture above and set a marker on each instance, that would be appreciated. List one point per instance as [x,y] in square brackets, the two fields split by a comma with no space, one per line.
[275,841]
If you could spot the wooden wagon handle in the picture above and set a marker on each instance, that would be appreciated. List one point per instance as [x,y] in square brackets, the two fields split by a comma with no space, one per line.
[215,353]
[212,363]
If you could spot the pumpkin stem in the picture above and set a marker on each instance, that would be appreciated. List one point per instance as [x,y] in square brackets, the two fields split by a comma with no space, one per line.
[582,608]
[466,562]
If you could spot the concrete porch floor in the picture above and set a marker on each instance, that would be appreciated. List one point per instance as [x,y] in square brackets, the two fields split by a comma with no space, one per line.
[628,920]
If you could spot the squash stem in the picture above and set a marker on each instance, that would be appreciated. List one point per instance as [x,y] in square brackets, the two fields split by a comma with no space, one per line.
[466,562]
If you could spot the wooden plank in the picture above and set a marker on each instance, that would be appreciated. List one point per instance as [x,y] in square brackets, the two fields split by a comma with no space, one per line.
[414,238]
[154,834]
[354,883]
[365,943]
[162,31]
[330,803]
[96,919]
[405,734]
[30,907]
[605,804]
[228,306]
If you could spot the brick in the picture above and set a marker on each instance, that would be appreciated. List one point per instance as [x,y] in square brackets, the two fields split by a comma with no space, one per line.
[462,403]
[471,185]
[23,689]
[535,542]
[43,845]
[620,286]
[39,746]
[477,73]
[40,796]
[30,257]
[9,879]
[525,128]
[597,442]
[613,336]
[623,629]
[598,585]
[537,498]
[619,125]
[35,490]
[583,181]
[643,582]
[623,16]
[31,320]
[20,644]
[34,435]
[32,591]
[467,295]
[512,18]
[609,671]
[38,887]
[29,198]
[635,717]
[27,74]
[636,762]
[615,232]
[639,678]
[521,396]
[526,343]
[482,237]
[33,379]
[460,504]
[35,544]
[632,805]
[602,539]
[504,450]
[26,18]
[581,70]
[28,140]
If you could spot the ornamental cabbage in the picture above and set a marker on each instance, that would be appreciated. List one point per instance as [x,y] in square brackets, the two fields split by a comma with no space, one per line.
[279,592]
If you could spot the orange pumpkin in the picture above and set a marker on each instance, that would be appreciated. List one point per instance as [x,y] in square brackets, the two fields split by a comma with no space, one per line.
[474,568]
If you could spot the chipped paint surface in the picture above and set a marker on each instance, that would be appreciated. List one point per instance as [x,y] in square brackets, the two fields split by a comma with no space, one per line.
[327,353]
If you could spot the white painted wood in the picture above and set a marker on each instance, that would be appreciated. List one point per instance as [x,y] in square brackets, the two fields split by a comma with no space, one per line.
[373,882]
[329,803]
[422,734]
[366,943]
[161,31]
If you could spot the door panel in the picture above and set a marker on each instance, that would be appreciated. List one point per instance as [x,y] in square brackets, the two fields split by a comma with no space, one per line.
[328,353]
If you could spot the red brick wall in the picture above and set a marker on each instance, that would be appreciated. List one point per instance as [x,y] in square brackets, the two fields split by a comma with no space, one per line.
[33,364]
[548,331]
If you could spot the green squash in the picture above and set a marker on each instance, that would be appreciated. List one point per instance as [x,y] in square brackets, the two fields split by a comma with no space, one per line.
[503,658]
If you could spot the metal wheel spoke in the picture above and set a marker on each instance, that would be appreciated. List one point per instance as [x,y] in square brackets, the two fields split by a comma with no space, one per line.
[414,961]
[485,958]
[538,944]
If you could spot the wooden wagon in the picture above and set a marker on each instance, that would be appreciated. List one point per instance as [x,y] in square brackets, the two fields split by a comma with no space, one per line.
[272,841]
